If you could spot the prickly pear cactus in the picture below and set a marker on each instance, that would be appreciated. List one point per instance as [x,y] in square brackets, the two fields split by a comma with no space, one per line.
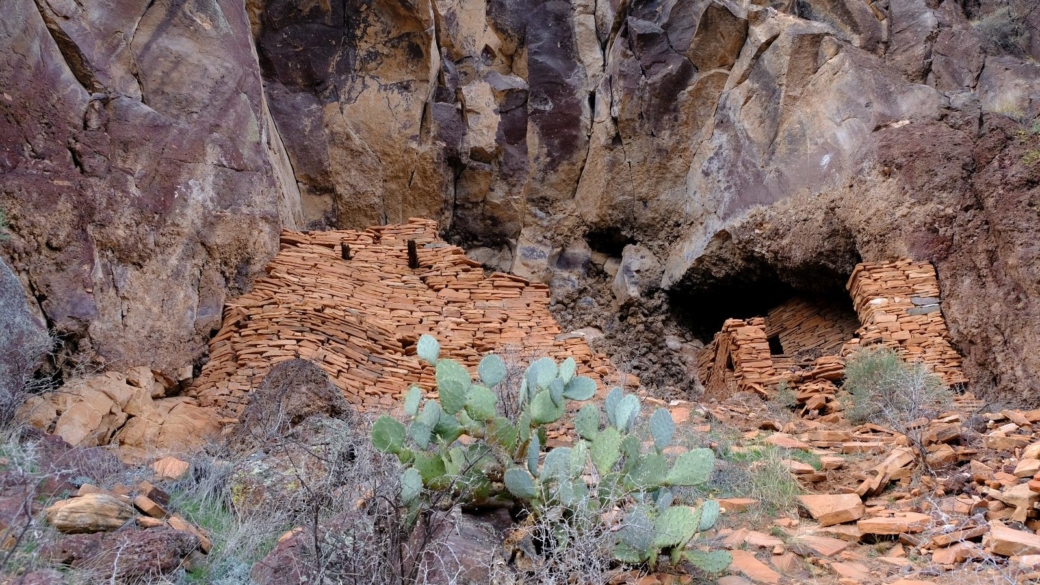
[715,561]
[506,458]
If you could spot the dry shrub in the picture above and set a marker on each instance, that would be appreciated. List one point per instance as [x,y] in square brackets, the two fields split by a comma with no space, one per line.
[883,389]
[1005,29]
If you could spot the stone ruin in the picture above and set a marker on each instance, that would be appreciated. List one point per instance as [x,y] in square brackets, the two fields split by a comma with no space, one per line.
[360,318]
[804,343]
[354,303]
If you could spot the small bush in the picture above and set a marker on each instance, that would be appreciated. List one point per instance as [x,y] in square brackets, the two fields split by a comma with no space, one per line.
[785,396]
[772,483]
[883,389]
[1004,29]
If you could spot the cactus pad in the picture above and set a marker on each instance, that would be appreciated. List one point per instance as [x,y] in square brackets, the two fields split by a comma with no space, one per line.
[674,526]
[662,428]
[710,562]
[519,483]
[428,349]
[388,434]
[411,485]
[492,370]
[453,383]
[606,450]
[580,388]
[586,422]
[692,468]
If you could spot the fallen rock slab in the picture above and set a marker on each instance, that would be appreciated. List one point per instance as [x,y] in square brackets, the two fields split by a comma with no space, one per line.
[737,504]
[959,535]
[823,545]
[957,553]
[1007,542]
[752,568]
[852,570]
[833,509]
[785,441]
[900,523]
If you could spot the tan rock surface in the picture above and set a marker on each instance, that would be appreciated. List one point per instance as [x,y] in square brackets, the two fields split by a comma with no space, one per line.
[89,513]
[899,523]
[1006,541]
[833,509]
[752,568]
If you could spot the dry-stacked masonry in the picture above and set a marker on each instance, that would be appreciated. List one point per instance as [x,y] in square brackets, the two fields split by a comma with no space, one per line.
[809,328]
[896,306]
[739,356]
[360,319]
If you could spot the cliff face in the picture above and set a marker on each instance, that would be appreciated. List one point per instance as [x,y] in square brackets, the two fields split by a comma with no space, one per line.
[549,135]
[140,172]
[730,144]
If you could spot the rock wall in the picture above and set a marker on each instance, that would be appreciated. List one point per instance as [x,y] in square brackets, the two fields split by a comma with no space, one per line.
[718,141]
[139,170]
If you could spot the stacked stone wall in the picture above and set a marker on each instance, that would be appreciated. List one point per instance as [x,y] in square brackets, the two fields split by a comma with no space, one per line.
[360,319]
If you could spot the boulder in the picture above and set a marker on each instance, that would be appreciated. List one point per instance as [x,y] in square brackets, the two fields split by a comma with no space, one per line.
[104,408]
[89,513]
[129,555]
[638,273]
[318,454]
[462,545]
[289,394]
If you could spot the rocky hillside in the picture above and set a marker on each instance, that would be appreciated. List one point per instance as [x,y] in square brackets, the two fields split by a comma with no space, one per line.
[715,154]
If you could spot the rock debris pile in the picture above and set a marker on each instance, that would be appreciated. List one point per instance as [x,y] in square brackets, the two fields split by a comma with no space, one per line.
[873,513]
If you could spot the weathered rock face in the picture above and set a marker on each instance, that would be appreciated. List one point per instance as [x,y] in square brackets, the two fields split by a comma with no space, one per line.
[742,144]
[24,338]
[110,408]
[550,135]
[139,170]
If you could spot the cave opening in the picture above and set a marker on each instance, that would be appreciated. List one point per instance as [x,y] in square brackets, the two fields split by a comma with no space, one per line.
[807,310]
[610,241]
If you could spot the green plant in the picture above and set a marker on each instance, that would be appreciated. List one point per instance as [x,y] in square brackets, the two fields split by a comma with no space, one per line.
[882,388]
[785,396]
[506,462]
[808,458]
[772,483]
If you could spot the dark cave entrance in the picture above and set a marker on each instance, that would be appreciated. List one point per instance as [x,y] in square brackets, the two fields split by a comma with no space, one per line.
[610,241]
[807,308]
